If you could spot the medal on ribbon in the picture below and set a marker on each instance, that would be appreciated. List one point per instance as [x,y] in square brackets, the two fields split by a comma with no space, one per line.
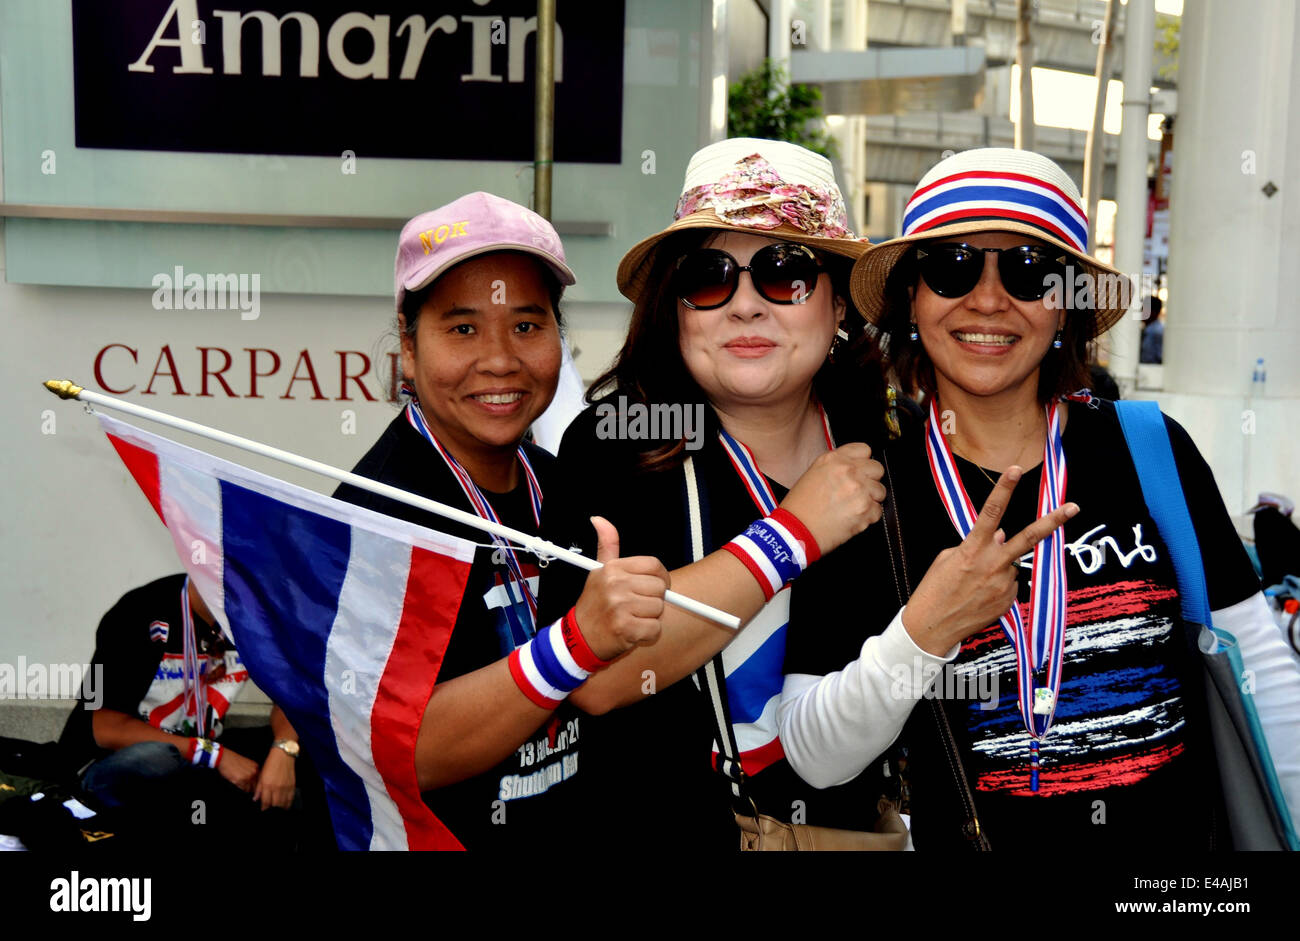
[1038,646]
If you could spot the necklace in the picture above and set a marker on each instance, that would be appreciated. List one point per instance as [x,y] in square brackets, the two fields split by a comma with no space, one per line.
[980,467]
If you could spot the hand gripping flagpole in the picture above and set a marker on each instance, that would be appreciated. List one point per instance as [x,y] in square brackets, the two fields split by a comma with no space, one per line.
[66,389]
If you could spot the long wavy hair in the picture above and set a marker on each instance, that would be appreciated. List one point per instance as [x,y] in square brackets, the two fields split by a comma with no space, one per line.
[649,368]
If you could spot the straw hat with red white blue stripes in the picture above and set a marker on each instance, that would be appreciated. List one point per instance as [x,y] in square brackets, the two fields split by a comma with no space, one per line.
[991,189]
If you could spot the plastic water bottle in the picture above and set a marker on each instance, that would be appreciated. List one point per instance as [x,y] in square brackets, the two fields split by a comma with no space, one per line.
[1258,379]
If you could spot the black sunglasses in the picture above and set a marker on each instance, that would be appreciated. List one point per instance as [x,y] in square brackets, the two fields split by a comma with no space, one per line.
[952,269]
[783,273]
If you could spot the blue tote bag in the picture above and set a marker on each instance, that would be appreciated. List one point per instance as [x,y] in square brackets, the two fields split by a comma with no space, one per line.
[1258,818]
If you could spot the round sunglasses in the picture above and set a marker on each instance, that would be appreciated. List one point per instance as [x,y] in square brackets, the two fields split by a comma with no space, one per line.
[953,269]
[783,273]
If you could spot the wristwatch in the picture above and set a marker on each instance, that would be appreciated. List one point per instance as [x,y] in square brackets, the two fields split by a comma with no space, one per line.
[288,746]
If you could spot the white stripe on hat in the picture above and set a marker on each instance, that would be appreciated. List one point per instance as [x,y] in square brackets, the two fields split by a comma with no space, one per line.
[991,166]
[992,207]
[1044,191]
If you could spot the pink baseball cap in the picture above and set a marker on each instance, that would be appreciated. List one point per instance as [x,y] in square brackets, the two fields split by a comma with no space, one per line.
[473,225]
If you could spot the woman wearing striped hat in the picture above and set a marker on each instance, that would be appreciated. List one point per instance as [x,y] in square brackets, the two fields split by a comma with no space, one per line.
[1080,716]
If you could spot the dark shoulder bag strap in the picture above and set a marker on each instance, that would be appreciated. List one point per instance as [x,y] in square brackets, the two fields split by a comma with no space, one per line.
[902,583]
[711,677]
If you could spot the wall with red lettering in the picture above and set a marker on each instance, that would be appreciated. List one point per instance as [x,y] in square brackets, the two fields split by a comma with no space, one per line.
[310,374]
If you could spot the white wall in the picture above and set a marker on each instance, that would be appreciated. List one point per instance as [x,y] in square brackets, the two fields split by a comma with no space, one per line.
[1250,444]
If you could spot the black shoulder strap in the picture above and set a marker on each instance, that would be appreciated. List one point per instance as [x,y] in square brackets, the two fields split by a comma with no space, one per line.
[903,585]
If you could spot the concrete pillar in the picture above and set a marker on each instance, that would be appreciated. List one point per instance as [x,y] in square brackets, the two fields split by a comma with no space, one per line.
[1131,185]
[852,137]
[1234,279]
[714,72]
[778,32]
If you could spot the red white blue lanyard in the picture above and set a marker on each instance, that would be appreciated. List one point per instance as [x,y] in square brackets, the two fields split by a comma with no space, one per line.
[196,694]
[482,507]
[1039,648]
[747,467]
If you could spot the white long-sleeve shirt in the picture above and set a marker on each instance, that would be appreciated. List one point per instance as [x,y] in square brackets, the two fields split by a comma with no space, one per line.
[834,726]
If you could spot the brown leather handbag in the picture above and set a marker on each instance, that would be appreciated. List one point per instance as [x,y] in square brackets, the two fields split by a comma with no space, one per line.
[764,833]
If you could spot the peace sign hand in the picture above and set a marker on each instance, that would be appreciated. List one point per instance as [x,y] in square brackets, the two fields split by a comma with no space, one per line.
[970,586]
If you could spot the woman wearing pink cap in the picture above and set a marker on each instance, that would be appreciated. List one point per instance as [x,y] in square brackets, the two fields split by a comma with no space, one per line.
[732,439]
[478,284]
[1080,719]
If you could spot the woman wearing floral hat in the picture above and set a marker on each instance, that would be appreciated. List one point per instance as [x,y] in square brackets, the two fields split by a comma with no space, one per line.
[1080,717]
[731,439]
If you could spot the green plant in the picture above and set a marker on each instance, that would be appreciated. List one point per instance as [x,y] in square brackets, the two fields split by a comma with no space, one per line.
[1167,31]
[763,103]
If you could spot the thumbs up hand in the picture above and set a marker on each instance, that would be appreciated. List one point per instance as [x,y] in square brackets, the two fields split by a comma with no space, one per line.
[623,600]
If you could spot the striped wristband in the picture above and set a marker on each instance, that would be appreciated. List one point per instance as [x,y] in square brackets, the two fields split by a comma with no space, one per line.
[205,753]
[554,663]
[775,549]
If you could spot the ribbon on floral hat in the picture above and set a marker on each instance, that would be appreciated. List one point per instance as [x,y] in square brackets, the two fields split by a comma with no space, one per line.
[754,195]
[769,188]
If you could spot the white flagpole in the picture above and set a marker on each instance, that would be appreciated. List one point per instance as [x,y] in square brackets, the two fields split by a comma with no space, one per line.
[66,389]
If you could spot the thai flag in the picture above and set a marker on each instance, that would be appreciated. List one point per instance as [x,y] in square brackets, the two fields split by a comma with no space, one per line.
[342,616]
[753,667]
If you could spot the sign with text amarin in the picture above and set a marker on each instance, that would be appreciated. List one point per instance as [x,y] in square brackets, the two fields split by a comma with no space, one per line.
[382,78]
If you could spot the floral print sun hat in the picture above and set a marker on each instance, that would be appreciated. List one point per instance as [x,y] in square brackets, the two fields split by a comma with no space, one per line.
[759,187]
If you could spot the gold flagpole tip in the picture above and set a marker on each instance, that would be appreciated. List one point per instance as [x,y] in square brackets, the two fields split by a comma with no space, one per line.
[63,388]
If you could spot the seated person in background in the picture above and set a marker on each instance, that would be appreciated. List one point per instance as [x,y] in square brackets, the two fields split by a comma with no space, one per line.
[154,734]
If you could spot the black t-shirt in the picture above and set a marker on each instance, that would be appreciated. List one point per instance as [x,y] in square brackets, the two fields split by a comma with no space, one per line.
[1124,755]
[651,762]
[137,668]
[531,792]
